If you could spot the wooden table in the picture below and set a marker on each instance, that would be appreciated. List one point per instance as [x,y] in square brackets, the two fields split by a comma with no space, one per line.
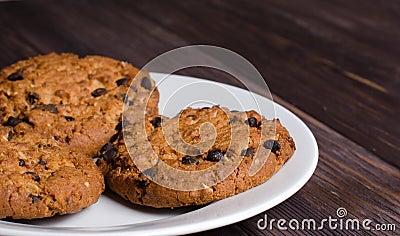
[336,64]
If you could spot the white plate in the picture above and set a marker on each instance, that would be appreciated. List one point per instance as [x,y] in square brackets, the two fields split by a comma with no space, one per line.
[113,216]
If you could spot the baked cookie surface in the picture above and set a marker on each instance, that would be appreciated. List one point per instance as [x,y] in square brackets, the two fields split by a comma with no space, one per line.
[56,111]
[39,180]
[265,137]
[70,101]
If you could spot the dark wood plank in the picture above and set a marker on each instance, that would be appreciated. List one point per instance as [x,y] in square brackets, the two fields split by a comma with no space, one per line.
[347,176]
[316,63]
[107,30]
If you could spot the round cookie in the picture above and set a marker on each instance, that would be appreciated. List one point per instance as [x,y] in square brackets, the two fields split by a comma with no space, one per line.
[40,180]
[56,111]
[124,178]
[70,101]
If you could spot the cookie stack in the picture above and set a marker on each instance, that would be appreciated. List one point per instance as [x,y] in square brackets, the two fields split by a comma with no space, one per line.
[59,111]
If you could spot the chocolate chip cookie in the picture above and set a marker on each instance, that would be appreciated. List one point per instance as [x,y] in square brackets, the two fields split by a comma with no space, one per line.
[266,142]
[40,180]
[70,101]
[56,111]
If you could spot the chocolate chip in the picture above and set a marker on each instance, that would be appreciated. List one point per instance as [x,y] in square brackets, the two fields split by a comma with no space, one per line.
[98,92]
[67,139]
[252,122]
[35,197]
[109,155]
[12,121]
[52,108]
[134,89]
[21,162]
[114,137]
[215,155]
[189,160]
[142,183]
[146,83]
[35,176]
[123,81]
[42,162]
[122,125]
[32,98]
[273,145]
[118,127]
[108,146]
[156,122]
[69,118]
[249,152]
[26,120]
[15,76]
[10,135]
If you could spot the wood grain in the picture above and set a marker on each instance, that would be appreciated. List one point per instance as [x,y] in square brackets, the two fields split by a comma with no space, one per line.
[313,62]
[335,63]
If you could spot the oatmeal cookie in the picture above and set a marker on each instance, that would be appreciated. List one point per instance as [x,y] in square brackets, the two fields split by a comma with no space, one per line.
[70,101]
[266,137]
